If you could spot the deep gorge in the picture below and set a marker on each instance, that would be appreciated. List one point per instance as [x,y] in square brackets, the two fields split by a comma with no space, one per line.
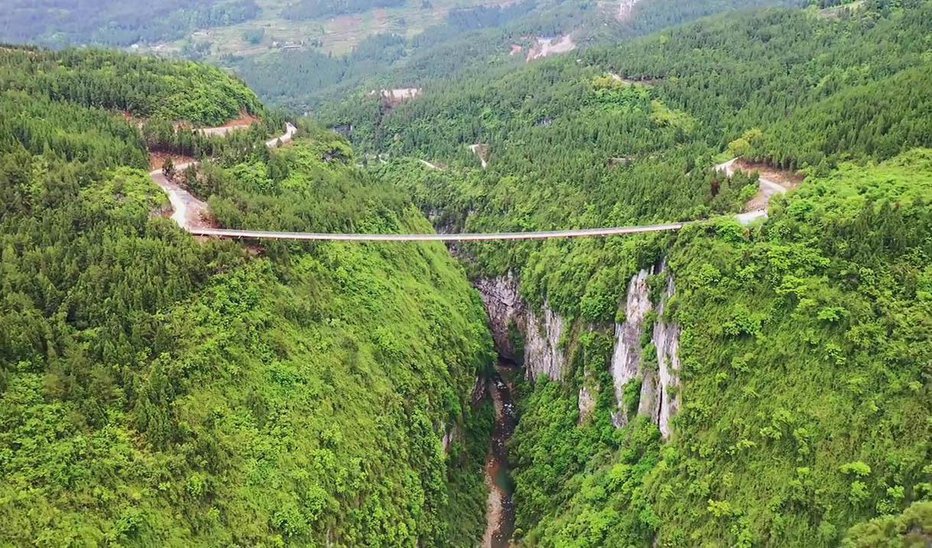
[533,345]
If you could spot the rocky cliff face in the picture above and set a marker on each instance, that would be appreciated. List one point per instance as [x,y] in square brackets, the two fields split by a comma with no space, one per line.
[507,314]
[522,335]
[667,341]
[651,380]
[543,356]
[587,401]
[626,360]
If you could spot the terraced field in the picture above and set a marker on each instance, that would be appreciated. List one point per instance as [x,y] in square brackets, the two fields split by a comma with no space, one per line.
[272,31]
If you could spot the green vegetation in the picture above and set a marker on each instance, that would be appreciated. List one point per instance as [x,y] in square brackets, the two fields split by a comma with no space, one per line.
[823,371]
[315,9]
[299,54]
[804,351]
[141,86]
[571,146]
[155,390]
[468,42]
[115,22]
[804,380]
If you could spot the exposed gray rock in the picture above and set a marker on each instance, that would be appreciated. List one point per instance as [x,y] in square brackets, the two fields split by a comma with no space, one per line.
[542,353]
[659,392]
[506,311]
[451,434]
[587,403]
[540,332]
[667,341]
[626,359]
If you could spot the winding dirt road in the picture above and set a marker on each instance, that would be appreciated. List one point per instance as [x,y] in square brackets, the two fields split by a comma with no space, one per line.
[188,211]
[768,189]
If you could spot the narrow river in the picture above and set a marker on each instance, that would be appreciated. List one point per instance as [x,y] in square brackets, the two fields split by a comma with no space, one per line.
[501,508]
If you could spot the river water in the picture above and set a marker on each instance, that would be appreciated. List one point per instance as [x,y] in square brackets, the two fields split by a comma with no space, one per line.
[501,508]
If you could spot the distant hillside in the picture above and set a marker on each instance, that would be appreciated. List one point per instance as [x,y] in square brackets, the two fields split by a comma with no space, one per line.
[481,39]
[300,53]
[116,23]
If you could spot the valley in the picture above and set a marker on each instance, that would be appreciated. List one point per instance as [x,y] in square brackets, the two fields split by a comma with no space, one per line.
[516,274]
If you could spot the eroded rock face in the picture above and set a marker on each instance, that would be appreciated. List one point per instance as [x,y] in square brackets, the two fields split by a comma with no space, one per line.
[542,353]
[450,435]
[626,359]
[507,313]
[513,323]
[587,402]
[667,341]
[657,373]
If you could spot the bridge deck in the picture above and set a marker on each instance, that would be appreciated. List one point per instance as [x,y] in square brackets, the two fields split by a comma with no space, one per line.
[310,236]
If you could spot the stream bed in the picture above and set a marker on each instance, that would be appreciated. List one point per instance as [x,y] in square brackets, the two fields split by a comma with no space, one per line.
[501,508]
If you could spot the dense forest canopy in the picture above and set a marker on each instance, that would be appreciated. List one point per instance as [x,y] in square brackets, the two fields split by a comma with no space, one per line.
[157,390]
[802,339]
[472,40]
[143,87]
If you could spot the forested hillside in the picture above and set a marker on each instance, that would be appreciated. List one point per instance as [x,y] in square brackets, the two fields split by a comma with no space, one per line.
[141,87]
[157,390]
[805,386]
[478,40]
[115,23]
[617,139]
[803,341]
[746,381]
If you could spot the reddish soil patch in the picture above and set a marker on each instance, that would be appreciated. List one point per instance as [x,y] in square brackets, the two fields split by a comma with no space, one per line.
[787,179]
[245,120]
[157,159]
[516,49]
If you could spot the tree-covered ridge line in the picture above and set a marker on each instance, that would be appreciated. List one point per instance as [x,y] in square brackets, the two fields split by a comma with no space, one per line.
[828,60]
[123,107]
[471,41]
[144,87]
[158,390]
[775,65]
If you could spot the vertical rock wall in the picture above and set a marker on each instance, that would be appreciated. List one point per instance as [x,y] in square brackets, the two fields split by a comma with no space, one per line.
[626,359]
[658,374]
[541,332]
[506,311]
[543,356]
[667,341]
